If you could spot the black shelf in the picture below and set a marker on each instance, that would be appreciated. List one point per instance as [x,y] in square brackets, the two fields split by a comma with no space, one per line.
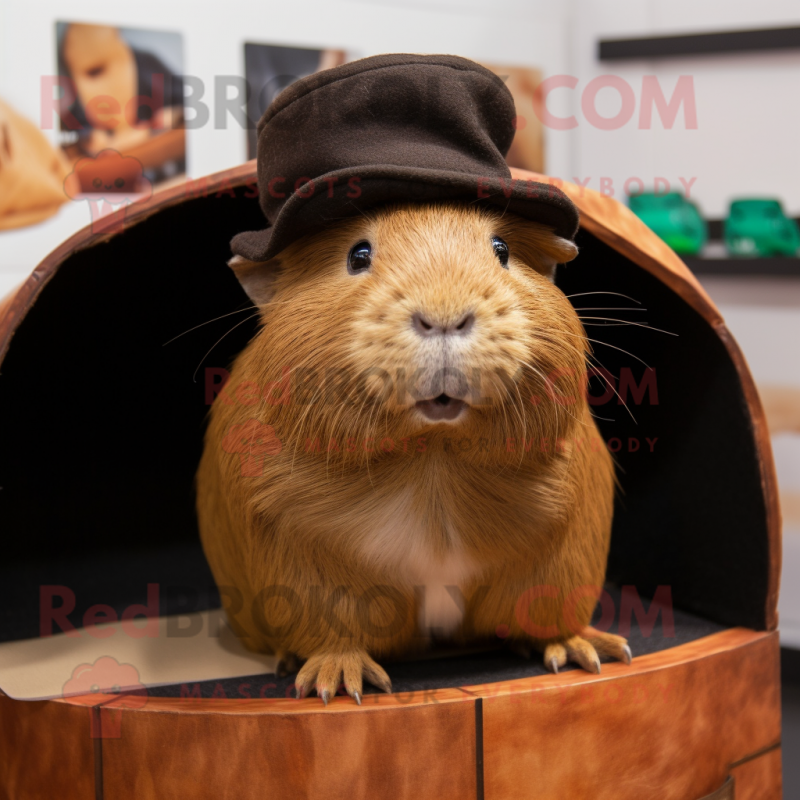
[699,44]
[770,266]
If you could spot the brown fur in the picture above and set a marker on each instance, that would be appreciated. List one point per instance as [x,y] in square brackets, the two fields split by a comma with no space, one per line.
[495,520]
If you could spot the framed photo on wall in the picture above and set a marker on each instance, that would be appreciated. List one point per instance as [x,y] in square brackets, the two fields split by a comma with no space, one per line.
[269,69]
[121,90]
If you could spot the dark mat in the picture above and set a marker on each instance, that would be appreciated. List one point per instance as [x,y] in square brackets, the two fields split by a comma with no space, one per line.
[498,664]
[185,585]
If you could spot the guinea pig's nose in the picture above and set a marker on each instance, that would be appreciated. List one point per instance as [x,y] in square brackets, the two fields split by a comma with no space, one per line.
[424,327]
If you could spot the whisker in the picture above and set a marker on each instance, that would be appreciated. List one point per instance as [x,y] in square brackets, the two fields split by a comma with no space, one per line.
[616,294]
[605,344]
[194,375]
[297,429]
[519,410]
[550,393]
[611,386]
[614,347]
[636,324]
[240,311]
[606,308]
[503,388]
[604,324]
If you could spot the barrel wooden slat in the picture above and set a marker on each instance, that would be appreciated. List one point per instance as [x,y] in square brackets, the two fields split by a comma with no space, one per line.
[403,753]
[46,750]
[627,736]
[759,778]
[674,724]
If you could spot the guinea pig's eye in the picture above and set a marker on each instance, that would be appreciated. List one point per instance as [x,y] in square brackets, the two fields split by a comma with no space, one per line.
[360,258]
[500,250]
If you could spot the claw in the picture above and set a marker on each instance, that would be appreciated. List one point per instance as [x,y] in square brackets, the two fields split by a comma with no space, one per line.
[609,645]
[586,652]
[585,656]
[299,693]
[326,672]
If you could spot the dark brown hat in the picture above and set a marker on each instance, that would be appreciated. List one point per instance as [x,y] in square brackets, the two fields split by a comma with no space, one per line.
[391,128]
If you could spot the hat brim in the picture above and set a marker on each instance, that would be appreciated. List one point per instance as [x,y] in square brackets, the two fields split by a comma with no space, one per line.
[345,193]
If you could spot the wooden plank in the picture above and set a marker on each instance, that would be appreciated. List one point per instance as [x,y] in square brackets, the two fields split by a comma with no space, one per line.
[674,723]
[760,778]
[338,753]
[281,705]
[46,750]
[666,731]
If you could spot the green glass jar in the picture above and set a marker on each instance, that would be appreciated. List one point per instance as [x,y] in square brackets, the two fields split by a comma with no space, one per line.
[760,228]
[674,218]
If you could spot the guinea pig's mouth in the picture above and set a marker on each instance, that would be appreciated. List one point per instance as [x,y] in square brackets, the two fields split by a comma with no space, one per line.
[441,408]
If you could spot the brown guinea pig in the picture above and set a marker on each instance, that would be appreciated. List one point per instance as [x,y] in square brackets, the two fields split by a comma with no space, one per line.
[404,452]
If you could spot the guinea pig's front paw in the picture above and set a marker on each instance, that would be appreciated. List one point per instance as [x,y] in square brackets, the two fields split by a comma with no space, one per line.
[585,650]
[326,672]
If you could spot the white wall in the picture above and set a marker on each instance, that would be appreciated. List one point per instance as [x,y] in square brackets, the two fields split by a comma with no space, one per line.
[514,32]
[748,105]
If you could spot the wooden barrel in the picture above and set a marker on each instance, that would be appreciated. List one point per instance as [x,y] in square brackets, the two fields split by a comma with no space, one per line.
[100,433]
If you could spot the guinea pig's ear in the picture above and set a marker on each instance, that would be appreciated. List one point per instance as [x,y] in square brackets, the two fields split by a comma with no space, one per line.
[538,247]
[256,277]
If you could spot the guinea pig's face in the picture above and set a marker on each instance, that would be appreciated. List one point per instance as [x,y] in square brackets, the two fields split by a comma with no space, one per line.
[423,320]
